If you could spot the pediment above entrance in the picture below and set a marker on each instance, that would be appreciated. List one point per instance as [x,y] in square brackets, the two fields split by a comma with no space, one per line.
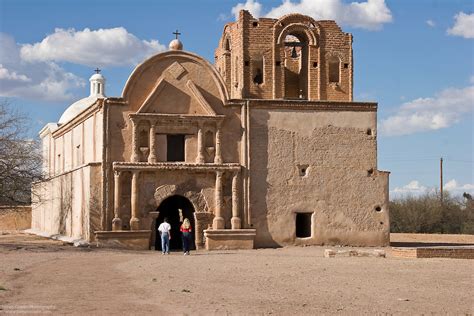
[175,82]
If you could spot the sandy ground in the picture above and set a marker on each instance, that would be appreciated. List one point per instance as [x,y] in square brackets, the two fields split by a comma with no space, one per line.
[43,276]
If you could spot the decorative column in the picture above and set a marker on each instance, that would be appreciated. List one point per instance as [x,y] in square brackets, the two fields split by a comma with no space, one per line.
[218,222]
[200,155]
[117,222]
[235,220]
[218,156]
[134,221]
[152,146]
[135,142]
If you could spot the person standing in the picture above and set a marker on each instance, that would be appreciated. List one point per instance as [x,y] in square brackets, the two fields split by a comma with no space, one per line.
[165,233]
[186,230]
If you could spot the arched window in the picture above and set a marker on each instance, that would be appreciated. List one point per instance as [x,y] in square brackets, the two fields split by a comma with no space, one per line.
[296,66]
[227,44]
[334,66]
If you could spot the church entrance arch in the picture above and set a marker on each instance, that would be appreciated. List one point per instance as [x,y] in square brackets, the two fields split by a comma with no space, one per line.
[176,208]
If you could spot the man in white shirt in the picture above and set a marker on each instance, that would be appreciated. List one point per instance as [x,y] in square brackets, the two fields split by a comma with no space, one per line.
[165,232]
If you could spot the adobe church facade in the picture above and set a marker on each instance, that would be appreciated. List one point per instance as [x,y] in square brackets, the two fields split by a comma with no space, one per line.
[265,148]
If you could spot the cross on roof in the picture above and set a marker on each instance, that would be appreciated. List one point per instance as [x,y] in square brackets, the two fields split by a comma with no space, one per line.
[97,70]
[176,34]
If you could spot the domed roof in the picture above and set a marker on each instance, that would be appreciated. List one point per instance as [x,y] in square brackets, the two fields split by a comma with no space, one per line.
[77,107]
[97,90]
[176,45]
[96,77]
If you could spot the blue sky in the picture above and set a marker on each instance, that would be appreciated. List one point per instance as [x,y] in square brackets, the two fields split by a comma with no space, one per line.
[415,58]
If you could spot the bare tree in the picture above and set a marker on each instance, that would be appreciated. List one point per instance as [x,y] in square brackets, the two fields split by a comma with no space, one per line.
[20,157]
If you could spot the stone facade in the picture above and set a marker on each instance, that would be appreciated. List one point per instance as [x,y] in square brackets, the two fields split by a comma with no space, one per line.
[264,149]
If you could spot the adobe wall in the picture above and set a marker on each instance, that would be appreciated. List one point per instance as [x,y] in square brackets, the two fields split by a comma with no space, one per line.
[15,217]
[68,204]
[340,186]
[71,145]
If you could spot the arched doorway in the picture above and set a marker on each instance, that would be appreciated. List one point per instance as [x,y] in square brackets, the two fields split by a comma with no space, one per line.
[176,208]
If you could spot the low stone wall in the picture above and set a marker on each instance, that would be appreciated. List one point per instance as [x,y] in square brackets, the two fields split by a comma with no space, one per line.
[434,252]
[15,217]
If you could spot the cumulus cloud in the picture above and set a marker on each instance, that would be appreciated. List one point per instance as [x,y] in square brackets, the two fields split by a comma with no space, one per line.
[254,7]
[415,188]
[425,114]
[371,14]
[102,47]
[11,75]
[37,80]
[463,25]
[430,23]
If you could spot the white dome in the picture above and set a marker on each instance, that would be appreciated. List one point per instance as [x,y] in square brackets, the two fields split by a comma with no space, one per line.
[76,108]
[176,45]
[96,77]
[97,82]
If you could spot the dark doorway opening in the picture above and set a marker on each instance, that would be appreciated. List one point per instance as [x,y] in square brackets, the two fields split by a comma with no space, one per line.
[170,208]
[175,147]
[303,225]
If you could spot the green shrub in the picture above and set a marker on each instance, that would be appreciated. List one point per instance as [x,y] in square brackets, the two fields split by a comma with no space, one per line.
[426,214]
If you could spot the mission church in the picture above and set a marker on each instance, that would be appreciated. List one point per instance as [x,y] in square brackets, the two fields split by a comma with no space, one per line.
[265,148]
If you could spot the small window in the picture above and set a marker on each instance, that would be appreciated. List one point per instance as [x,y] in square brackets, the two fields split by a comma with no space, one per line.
[175,147]
[303,225]
[255,24]
[315,64]
[278,63]
[257,71]
[334,69]
[247,63]
[209,139]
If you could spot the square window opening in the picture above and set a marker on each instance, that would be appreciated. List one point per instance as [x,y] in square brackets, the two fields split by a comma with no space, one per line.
[175,147]
[303,225]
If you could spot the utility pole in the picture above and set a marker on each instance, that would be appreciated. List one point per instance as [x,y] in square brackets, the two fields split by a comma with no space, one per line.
[441,179]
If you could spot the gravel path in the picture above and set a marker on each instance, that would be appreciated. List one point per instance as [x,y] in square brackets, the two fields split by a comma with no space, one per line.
[40,275]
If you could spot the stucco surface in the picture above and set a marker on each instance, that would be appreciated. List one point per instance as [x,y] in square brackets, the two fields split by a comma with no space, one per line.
[336,188]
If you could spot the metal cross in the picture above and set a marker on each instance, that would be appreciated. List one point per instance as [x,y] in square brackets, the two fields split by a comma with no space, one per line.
[97,70]
[176,34]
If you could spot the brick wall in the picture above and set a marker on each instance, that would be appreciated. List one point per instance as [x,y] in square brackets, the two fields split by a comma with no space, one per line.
[434,252]
[254,40]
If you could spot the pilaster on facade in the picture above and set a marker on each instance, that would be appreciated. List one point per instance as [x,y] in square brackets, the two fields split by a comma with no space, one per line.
[117,222]
[152,139]
[134,197]
[218,222]
[135,141]
[200,144]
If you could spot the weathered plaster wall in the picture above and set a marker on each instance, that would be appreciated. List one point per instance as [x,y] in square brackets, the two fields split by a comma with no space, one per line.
[68,204]
[72,145]
[338,187]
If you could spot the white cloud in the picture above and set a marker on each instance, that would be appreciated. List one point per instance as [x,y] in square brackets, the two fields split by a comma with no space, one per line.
[102,47]
[415,188]
[463,25]
[430,23]
[453,187]
[36,80]
[254,7]
[424,114]
[371,14]
[11,75]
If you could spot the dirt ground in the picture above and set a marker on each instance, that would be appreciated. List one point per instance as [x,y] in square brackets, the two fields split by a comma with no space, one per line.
[43,276]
